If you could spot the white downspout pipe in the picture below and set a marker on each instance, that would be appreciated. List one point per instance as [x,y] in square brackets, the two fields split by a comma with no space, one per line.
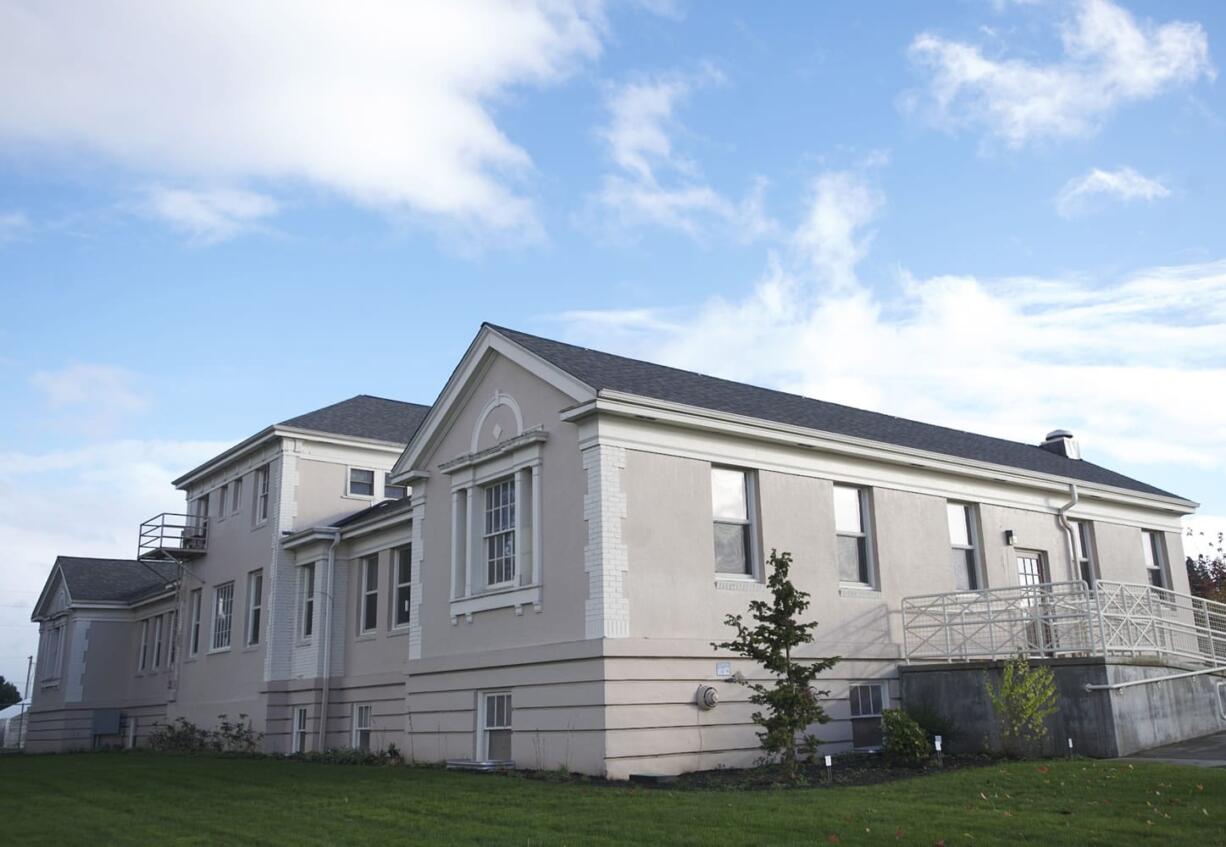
[326,632]
[1069,537]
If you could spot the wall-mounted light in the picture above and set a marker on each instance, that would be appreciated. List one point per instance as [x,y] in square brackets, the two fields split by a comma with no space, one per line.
[1009,538]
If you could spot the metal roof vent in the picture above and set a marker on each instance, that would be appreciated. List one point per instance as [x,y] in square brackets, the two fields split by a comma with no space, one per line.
[1062,443]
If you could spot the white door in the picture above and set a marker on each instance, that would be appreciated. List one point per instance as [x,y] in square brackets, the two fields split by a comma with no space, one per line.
[1032,574]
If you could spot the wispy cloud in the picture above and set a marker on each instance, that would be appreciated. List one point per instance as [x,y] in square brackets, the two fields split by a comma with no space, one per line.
[91,398]
[208,217]
[389,108]
[1116,360]
[1081,194]
[653,183]
[13,225]
[1109,60]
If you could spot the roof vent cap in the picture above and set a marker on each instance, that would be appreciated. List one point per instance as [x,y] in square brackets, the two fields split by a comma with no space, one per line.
[1062,443]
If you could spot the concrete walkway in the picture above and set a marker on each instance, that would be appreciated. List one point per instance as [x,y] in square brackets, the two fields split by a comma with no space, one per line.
[1207,752]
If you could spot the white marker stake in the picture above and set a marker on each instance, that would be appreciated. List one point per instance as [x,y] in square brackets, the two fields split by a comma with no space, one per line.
[829,771]
[1070,747]
[940,758]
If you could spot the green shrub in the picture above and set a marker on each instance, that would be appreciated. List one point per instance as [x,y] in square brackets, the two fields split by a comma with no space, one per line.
[183,736]
[1025,698]
[905,742]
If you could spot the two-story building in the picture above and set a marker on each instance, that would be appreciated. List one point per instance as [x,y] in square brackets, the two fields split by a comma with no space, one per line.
[565,531]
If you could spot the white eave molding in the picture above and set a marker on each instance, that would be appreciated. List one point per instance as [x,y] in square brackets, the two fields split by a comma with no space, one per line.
[621,404]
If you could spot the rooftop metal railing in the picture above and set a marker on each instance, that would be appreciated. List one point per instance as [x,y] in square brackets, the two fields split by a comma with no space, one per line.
[173,534]
[1065,619]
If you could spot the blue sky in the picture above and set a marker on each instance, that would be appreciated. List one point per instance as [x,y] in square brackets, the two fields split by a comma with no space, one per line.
[1002,216]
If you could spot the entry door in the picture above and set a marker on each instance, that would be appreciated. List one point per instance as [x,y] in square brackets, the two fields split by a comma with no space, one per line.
[1032,574]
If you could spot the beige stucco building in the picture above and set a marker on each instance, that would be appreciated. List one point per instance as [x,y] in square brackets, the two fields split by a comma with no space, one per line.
[534,567]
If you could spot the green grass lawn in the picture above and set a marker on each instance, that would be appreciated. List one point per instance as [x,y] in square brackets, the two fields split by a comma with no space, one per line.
[142,798]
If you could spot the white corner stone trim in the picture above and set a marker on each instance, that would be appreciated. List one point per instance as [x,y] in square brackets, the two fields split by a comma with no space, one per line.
[417,558]
[604,556]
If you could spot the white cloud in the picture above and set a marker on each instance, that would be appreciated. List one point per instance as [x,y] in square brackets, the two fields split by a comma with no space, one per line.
[13,225]
[654,184]
[91,397]
[390,106]
[1115,360]
[209,216]
[86,502]
[831,236]
[1109,60]
[1080,194]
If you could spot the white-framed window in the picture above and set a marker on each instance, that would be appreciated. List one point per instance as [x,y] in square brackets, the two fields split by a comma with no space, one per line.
[222,501]
[361,482]
[499,535]
[964,545]
[196,606]
[732,516]
[392,490]
[157,642]
[172,635]
[223,616]
[402,575]
[300,737]
[496,726]
[52,648]
[368,608]
[143,663]
[853,535]
[1083,551]
[200,514]
[1154,546]
[255,606]
[306,600]
[260,503]
[866,704]
[363,725]
[236,495]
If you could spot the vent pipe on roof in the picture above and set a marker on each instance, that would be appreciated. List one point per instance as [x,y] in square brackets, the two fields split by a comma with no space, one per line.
[1062,443]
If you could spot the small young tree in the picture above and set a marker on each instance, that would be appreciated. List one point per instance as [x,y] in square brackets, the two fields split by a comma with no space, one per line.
[1024,699]
[791,705]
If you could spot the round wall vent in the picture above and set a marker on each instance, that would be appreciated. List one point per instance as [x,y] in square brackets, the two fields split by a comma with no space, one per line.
[706,697]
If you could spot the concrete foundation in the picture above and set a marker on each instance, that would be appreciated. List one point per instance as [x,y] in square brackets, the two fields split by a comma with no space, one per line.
[1102,723]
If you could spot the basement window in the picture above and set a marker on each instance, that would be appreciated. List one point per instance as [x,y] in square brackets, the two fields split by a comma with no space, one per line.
[496,726]
[362,726]
[866,703]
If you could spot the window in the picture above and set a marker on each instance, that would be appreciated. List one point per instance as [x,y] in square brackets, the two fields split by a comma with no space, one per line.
[300,730]
[361,482]
[496,726]
[392,490]
[730,509]
[157,642]
[197,601]
[964,542]
[368,612]
[306,602]
[236,495]
[851,526]
[172,635]
[261,494]
[1083,551]
[866,716]
[144,645]
[200,512]
[362,727]
[500,533]
[223,607]
[53,647]
[221,502]
[402,574]
[1155,557]
[255,605]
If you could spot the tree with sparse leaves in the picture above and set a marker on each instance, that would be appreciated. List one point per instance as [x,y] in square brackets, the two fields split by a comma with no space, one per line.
[9,695]
[790,703]
[1207,572]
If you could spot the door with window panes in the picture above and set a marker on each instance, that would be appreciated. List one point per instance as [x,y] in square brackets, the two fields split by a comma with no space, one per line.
[1032,575]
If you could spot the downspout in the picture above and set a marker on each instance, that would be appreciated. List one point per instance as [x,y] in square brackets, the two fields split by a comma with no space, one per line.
[1069,537]
[326,608]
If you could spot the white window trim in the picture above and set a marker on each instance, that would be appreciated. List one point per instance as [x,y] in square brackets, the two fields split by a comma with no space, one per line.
[255,602]
[868,533]
[217,593]
[306,599]
[158,637]
[512,531]
[1084,531]
[223,501]
[51,655]
[261,499]
[884,692]
[236,495]
[300,732]
[1154,540]
[393,578]
[976,539]
[483,728]
[384,483]
[355,728]
[196,602]
[756,563]
[142,659]
[365,591]
[374,483]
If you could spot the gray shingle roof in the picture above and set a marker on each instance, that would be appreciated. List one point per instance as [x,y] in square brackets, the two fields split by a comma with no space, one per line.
[387,507]
[364,416]
[113,580]
[606,371]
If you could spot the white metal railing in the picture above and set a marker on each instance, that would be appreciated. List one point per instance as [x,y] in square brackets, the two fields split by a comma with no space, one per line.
[1065,619]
